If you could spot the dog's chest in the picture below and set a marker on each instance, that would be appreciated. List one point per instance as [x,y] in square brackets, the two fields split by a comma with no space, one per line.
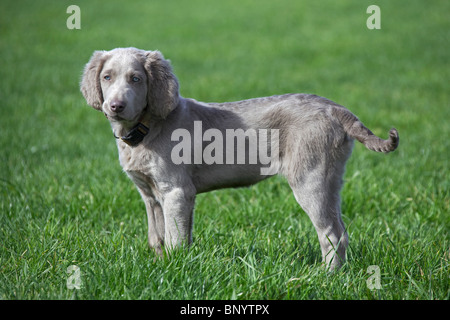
[127,158]
[138,165]
[133,159]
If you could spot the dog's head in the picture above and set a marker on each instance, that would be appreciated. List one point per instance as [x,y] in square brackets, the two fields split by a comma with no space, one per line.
[123,82]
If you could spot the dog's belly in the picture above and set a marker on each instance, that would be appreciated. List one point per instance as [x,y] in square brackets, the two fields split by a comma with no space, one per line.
[208,178]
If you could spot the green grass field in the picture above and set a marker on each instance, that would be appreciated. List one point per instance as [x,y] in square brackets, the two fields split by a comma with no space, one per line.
[64,199]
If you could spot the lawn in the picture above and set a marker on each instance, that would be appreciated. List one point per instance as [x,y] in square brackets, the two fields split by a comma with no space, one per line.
[64,200]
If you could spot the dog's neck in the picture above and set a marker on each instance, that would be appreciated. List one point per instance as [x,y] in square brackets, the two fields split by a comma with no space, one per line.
[132,132]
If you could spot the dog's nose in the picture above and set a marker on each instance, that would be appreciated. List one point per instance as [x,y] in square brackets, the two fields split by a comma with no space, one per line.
[117,106]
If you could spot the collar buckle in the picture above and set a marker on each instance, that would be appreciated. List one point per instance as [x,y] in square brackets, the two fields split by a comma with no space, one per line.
[135,136]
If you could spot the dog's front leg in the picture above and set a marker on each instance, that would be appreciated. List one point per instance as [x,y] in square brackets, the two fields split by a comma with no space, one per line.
[155,219]
[178,208]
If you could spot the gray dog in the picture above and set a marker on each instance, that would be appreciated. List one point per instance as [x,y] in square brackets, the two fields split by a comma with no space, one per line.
[174,148]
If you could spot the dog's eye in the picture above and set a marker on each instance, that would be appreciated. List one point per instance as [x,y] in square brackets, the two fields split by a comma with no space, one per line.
[107,78]
[135,79]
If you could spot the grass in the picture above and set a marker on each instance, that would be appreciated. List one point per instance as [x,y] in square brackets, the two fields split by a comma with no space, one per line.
[65,201]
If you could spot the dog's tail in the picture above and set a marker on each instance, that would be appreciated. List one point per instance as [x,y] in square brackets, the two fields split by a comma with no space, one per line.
[357,130]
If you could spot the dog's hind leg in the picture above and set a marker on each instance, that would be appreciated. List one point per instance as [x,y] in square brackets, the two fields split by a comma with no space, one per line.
[318,195]
[316,182]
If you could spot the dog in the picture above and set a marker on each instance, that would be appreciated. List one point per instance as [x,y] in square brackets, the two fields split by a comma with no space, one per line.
[311,138]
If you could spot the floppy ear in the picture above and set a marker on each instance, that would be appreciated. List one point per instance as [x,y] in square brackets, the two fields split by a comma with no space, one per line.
[162,91]
[90,82]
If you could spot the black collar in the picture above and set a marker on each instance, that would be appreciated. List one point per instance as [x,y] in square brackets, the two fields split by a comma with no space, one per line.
[135,136]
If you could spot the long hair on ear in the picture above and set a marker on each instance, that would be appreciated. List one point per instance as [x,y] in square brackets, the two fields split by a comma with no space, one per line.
[162,94]
[90,82]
